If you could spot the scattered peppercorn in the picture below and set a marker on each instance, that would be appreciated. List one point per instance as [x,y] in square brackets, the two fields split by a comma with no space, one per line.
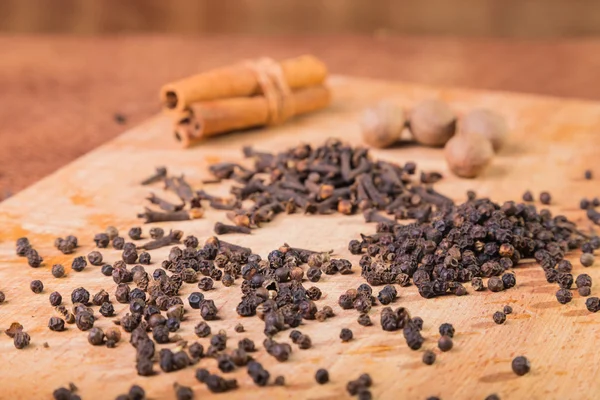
[144,258]
[520,365]
[508,310]
[205,284]
[78,264]
[588,174]
[58,271]
[495,284]
[587,259]
[55,299]
[564,296]
[584,291]
[2,297]
[346,335]
[21,340]
[445,343]
[135,233]
[428,357]
[593,304]
[545,198]
[499,317]
[239,328]
[364,320]
[322,376]
[528,196]
[95,258]
[107,309]
[202,329]
[118,243]
[56,324]
[96,337]
[447,329]
[36,286]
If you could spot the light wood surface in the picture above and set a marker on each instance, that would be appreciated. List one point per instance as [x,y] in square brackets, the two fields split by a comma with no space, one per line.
[551,144]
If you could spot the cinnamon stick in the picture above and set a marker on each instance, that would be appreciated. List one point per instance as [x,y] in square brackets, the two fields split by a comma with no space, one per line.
[239,80]
[212,118]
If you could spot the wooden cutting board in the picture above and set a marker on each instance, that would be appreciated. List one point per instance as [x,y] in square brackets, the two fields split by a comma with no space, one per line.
[552,142]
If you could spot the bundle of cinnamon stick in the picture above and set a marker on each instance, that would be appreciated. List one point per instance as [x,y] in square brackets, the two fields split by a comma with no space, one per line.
[248,94]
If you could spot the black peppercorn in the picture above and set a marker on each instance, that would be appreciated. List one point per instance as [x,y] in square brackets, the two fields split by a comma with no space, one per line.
[2,297]
[313,274]
[564,296]
[545,198]
[107,310]
[56,324]
[55,299]
[364,320]
[528,196]
[144,258]
[205,284]
[239,328]
[499,317]
[588,174]
[101,240]
[36,286]
[593,304]
[583,280]
[135,233]
[346,335]
[247,345]
[509,280]
[78,264]
[445,343]
[194,299]
[96,337]
[447,329]
[520,365]
[428,357]
[157,233]
[584,291]
[208,310]
[508,310]
[495,284]
[58,271]
[183,392]
[118,243]
[21,340]
[33,258]
[122,293]
[202,329]
[95,258]
[84,320]
[322,376]
[477,284]
[587,259]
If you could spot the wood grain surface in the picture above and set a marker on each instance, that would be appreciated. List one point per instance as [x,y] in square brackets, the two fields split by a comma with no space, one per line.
[549,149]
[59,93]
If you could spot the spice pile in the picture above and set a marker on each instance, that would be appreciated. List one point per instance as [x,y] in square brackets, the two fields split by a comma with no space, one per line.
[444,246]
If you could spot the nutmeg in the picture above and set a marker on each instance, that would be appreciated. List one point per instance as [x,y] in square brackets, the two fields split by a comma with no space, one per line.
[382,124]
[432,122]
[488,123]
[467,154]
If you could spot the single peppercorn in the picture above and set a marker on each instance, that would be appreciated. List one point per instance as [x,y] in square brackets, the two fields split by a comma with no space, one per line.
[107,309]
[118,243]
[96,337]
[101,240]
[157,233]
[58,271]
[428,357]
[95,258]
[78,264]
[364,320]
[56,324]
[477,284]
[202,329]
[113,334]
[55,299]
[135,233]
[279,381]
[205,284]
[520,365]
[445,343]
[21,340]
[313,274]
[564,296]
[508,310]
[528,196]
[33,258]
[194,300]
[499,317]
[36,286]
[545,198]
[239,328]
[2,297]
[227,280]
[583,280]
[593,304]
[587,259]
[322,376]
[346,335]
[508,280]
[495,284]
[584,291]
[493,396]
[144,258]
[80,295]
[447,329]
[588,174]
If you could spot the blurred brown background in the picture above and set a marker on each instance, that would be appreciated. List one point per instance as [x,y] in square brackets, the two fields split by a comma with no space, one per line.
[67,67]
[498,18]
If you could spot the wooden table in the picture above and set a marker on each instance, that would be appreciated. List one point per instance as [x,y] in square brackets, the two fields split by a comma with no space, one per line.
[549,148]
[59,93]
